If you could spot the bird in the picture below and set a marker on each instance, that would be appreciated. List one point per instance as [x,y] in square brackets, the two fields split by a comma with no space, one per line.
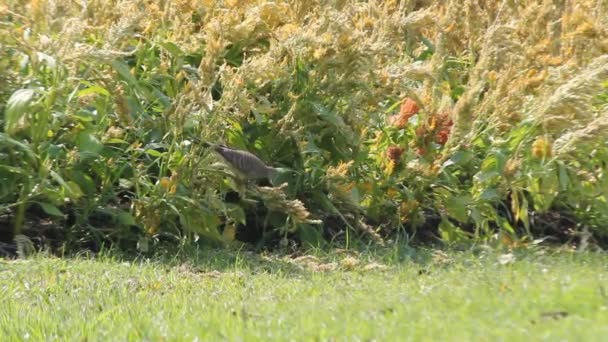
[247,166]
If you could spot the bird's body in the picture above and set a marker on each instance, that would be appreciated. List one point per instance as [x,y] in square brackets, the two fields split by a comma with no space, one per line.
[247,167]
[246,164]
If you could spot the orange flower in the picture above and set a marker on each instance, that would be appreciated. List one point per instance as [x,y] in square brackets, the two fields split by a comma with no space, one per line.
[420,130]
[394,153]
[398,121]
[165,183]
[408,109]
[442,136]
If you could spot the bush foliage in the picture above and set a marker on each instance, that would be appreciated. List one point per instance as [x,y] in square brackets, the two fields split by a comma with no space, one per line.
[457,119]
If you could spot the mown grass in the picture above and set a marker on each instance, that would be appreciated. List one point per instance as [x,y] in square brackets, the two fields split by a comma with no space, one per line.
[389,295]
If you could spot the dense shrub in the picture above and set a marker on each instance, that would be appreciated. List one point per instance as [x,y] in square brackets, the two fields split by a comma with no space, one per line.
[456,119]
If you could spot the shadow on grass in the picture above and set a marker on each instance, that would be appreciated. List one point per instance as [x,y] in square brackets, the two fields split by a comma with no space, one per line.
[198,258]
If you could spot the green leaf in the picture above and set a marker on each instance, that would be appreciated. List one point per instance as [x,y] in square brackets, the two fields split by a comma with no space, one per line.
[489,194]
[485,176]
[123,70]
[310,236]
[5,139]
[523,213]
[56,151]
[50,209]
[173,49]
[154,153]
[72,189]
[201,221]
[449,232]
[12,169]
[17,107]
[88,144]
[96,89]
[505,225]
[328,115]
[236,213]
[459,158]
[160,96]
[456,207]
[116,141]
[84,181]
[125,218]
[564,180]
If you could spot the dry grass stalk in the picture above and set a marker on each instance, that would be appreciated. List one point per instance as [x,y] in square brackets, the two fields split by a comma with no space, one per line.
[276,199]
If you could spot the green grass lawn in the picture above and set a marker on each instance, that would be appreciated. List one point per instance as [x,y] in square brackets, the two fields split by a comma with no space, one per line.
[394,295]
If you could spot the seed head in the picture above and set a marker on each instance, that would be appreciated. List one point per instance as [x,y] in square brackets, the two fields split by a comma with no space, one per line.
[541,148]
[394,153]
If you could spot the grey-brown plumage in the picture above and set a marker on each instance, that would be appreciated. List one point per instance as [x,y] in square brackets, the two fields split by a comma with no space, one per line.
[247,165]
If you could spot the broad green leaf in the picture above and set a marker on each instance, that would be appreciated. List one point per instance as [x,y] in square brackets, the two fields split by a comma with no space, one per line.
[236,212]
[5,139]
[116,141]
[328,115]
[16,111]
[310,236]
[50,209]
[88,143]
[505,225]
[484,176]
[125,218]
[477,217]
[84,181]
[490,163]
[72,189]
[56,151]
[449,232]
[12,169]
[154,153]
[201,221]
[489,194]
[123,70]
[458,158]
[173,49]
[160,96]
[517,136]
[96,89]
[457,208]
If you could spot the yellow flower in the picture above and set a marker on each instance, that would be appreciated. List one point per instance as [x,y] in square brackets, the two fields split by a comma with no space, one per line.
[392,193]
[340,170]
[390,167]
[115,132]
[541,148]
[406,208]
[511,167]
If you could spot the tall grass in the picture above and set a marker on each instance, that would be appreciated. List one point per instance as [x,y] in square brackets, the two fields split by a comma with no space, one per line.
[402,117]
